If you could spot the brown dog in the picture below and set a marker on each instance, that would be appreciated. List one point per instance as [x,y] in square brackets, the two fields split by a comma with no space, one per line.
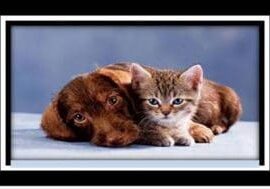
[92,107]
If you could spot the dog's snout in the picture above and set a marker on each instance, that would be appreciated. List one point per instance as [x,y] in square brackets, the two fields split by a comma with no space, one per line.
[113,131]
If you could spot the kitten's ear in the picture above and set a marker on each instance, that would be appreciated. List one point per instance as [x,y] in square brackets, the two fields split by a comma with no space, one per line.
[193,76]
[139,75]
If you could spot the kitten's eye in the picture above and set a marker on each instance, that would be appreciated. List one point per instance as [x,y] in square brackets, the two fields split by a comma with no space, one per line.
[177,101]
[153,101]
[79,118]
[112,100]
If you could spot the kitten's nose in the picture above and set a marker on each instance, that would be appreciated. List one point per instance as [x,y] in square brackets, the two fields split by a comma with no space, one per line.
[166,112]
[165,109]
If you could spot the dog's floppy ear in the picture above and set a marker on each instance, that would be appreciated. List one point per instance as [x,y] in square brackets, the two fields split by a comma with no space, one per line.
[53,124]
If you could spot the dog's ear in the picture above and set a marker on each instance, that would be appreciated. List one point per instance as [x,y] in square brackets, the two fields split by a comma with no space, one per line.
[53,124]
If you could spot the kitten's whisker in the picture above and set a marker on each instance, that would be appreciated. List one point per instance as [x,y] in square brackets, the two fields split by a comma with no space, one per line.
[148,122]
[141,120]
[144,121]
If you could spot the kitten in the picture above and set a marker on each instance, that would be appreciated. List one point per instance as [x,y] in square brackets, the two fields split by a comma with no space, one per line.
[165,104]
[218,107]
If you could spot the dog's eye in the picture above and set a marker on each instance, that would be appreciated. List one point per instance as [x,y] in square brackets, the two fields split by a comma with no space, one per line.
[79,118]
[112,100]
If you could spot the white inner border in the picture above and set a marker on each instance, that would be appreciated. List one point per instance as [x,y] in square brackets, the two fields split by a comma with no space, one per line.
[131,18]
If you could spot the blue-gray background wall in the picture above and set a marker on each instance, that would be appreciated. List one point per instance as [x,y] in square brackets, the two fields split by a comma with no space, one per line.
[45,58]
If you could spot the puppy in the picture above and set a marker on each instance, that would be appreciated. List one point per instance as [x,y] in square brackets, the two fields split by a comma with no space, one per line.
[92,107]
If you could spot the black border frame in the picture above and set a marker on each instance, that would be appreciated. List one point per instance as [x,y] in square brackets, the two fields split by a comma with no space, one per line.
[142,177]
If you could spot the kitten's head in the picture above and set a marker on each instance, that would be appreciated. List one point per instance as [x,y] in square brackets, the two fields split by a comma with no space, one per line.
[167,97]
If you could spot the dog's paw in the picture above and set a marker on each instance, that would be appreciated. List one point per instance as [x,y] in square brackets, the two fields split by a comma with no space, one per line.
[217,129]
[202,134]
[185,141]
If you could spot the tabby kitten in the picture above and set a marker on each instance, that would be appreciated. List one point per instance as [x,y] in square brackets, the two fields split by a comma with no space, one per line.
[165,104]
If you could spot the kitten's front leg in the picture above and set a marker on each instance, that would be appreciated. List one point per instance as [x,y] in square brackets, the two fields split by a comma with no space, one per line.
[155,137]
[184,141]
[182,137]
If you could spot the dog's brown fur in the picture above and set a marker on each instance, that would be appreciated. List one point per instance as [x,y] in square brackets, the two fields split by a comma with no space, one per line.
[105,124]
[219,107]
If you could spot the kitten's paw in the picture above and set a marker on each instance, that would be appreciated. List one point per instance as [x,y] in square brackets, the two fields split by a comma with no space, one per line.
[160,141]
[185,141]
[202,134]
[165,142]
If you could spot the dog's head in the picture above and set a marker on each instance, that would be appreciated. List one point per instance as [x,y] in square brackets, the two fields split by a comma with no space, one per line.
[91,107]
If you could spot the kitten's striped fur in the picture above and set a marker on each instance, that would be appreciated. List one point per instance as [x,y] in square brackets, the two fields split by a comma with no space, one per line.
[167,123]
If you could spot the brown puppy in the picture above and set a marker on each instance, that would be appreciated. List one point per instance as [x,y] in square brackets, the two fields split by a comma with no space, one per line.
[92,107]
